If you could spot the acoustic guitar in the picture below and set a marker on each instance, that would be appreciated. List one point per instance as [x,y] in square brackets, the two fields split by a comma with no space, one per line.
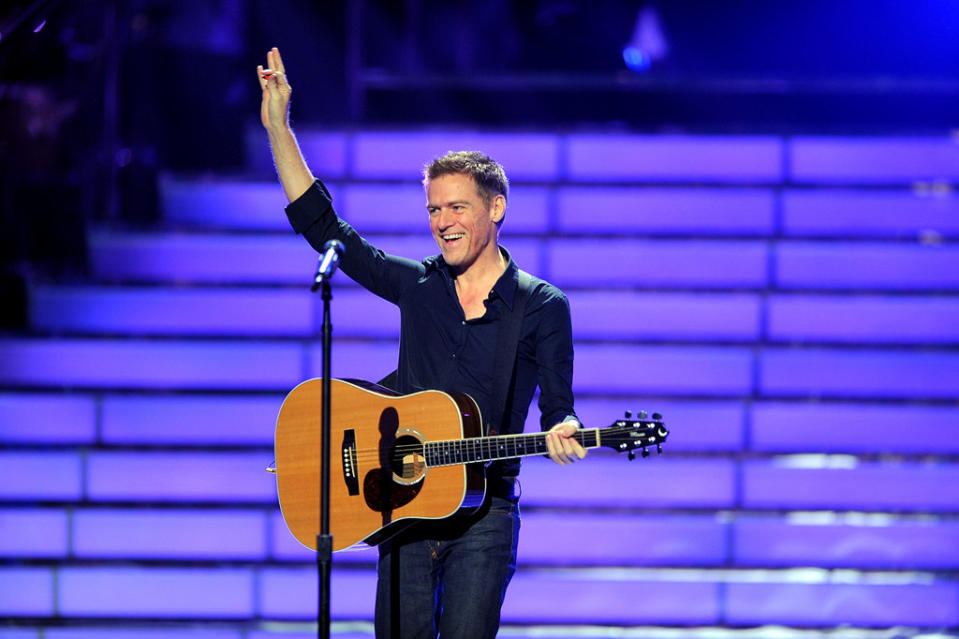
[396,459]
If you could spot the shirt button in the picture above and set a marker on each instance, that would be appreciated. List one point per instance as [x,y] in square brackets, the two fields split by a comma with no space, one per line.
[453,355]
[463,322]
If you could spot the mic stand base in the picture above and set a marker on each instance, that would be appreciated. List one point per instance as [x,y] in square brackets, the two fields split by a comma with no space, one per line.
[324,565]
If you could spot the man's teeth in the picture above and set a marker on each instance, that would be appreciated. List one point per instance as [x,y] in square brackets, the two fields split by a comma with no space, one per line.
[454,236]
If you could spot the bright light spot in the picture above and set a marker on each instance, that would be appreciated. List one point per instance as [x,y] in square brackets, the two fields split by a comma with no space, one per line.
[40,26]
[817,461]
[635,59]
[832,518]
[647,43]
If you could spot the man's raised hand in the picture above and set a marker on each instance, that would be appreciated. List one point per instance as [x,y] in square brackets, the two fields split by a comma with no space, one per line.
[274,108]
[290,166]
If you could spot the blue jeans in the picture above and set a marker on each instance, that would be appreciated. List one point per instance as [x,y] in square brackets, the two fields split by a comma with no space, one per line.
[448,577]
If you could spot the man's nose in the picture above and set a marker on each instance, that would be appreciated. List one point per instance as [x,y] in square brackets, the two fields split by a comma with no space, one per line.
[445,218]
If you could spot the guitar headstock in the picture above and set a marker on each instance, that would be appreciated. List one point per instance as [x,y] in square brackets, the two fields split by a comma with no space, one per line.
[626,435]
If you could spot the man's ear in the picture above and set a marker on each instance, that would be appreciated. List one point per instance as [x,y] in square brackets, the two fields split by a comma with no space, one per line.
[498,209]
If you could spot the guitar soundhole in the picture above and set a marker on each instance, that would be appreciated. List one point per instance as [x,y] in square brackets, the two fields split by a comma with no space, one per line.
[407,461]
[398,480]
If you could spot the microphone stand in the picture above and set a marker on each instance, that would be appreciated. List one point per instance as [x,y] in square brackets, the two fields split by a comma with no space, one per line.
[324,540]
[329,260]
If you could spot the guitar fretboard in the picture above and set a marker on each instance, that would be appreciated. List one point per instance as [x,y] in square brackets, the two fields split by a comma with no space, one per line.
[484,449]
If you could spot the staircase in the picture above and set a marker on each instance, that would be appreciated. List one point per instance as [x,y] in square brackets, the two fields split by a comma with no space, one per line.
[791,306]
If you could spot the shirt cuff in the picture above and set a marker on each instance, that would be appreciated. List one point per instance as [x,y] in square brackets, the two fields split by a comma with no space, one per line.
[560,420]
[306,210]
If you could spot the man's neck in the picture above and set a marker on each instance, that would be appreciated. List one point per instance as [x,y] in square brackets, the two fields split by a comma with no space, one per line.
[484,272]
[474,284]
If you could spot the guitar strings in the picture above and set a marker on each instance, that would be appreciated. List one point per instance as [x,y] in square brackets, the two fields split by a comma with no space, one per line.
[479,441]
[398,452]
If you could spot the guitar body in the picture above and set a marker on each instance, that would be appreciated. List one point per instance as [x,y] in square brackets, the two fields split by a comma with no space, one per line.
[379,481]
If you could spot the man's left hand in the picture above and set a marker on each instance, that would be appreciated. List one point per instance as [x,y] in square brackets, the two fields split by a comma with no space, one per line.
[563,448]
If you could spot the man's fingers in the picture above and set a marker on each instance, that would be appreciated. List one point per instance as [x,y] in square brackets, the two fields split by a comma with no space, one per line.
[562,447]
[274,70]
[551,447]
[578,450]
[569,450]
[559,449]
[274,61]
[278,78]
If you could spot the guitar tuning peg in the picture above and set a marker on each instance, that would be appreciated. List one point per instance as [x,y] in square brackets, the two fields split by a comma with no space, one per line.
[628,414]
[642,414]
[657,416]
[631,455]
[645,452]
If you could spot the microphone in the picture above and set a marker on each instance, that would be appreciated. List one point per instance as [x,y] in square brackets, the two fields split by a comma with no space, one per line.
[328,262]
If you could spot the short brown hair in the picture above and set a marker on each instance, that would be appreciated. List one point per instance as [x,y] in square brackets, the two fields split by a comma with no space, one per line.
[488,174]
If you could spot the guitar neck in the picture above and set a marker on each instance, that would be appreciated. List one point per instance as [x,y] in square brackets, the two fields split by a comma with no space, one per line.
[486,449]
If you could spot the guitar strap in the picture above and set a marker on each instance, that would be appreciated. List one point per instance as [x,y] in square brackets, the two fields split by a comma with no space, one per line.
[507,345]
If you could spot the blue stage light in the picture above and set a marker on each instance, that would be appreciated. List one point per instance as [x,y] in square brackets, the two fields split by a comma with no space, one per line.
[647,43]
[635,59]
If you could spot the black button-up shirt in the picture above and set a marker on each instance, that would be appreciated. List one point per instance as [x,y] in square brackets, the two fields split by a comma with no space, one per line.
[439,348]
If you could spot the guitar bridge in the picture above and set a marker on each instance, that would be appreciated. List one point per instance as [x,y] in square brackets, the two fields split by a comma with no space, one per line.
[349,462]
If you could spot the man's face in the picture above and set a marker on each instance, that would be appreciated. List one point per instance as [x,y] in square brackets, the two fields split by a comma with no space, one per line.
[463,226]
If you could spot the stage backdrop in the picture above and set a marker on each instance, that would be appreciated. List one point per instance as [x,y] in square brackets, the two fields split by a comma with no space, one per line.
[790,305]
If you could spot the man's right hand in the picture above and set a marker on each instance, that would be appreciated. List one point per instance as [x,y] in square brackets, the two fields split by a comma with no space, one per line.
[291,168]
[275,107]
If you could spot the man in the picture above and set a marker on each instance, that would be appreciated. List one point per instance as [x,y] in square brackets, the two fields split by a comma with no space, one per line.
[448,577]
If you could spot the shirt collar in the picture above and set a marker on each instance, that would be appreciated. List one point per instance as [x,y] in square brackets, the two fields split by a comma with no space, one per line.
[505,287]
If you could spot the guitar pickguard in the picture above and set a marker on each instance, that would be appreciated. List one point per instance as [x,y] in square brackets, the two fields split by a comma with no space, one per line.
[384,495]
[398,479]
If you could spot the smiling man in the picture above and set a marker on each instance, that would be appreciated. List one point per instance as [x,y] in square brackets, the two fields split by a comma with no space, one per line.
[466,199]
[449,577]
